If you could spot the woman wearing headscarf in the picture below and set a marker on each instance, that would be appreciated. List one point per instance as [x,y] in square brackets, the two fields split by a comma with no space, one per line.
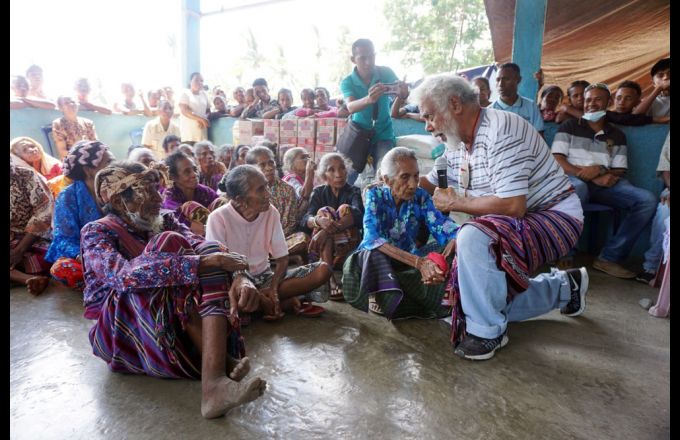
[164,299]
[30,215]
[75,207]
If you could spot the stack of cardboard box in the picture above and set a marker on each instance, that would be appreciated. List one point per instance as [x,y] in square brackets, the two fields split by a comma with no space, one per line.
[306,134]
[325,137]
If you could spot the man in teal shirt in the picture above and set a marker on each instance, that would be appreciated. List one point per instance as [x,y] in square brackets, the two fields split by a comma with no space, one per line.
[364,88]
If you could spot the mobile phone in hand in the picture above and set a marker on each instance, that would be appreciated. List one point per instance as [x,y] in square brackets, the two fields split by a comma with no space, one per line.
[392,88]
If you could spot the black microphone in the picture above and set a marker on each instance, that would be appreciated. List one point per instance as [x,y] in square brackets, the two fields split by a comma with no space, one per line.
[441,166]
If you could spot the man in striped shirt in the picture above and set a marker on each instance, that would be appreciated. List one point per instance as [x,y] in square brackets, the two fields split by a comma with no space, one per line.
[594,155]
[526,213]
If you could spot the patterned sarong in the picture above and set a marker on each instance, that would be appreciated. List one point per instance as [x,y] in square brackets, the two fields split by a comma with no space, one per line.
[33,261]
[399,290]
[520,246]
[344,241]
[140,332]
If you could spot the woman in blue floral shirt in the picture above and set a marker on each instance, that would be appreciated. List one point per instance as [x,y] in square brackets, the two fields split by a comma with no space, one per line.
[403,279]
[74,208]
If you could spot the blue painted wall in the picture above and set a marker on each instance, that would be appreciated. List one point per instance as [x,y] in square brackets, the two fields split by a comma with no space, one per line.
[644,144]
[527,43]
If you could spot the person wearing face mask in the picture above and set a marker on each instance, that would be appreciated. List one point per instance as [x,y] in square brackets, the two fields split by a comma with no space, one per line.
[164,300]
[593,154]
[501,172]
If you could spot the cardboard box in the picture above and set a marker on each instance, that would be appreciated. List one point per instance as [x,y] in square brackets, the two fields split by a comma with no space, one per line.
[306,133]
[271,130]
[325,131]
[288,132]
[249,128]
[340,124]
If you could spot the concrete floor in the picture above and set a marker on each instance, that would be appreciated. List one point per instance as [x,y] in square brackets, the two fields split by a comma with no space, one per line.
[347,375]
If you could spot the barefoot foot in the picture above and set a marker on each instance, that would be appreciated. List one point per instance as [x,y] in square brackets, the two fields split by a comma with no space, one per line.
[237,369]
[223,394]
[37,285]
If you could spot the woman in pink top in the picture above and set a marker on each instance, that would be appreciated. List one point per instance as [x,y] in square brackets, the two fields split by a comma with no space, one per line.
[251,226]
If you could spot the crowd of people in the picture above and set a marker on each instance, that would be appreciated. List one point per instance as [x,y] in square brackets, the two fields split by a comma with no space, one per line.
[177,246]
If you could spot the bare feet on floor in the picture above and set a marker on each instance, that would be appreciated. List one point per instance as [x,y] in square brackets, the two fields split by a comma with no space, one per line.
[237,369]
[223,394]
[37,285]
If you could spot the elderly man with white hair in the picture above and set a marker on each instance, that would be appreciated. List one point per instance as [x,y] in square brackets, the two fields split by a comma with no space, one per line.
[525,213]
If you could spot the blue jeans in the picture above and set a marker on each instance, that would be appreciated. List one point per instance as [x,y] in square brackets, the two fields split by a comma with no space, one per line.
[378,151]
[637,205]
[655,252]
[483,288]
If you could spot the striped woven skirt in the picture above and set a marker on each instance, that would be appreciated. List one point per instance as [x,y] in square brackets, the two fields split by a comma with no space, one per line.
[398,289]
[521,246]
[142,331]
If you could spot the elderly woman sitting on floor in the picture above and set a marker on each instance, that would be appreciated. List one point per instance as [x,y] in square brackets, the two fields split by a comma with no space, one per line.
[403,280]
[334,217]
[164,299]
[191,201]
[210,170]
[283,198]
[74,208]
[251,226]
[30,216]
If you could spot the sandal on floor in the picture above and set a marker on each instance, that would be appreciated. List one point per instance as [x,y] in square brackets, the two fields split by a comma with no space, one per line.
[309,310]
[336,293]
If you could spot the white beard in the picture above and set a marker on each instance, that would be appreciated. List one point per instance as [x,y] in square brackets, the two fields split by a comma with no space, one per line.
[154,225]
[453,141]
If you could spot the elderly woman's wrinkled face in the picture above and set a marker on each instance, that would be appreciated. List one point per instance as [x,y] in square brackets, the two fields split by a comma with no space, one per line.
[28,151]
[258,194]
[335,174]
[405,182]
[187,174]
[268,167]
[206,157]
[300,163]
